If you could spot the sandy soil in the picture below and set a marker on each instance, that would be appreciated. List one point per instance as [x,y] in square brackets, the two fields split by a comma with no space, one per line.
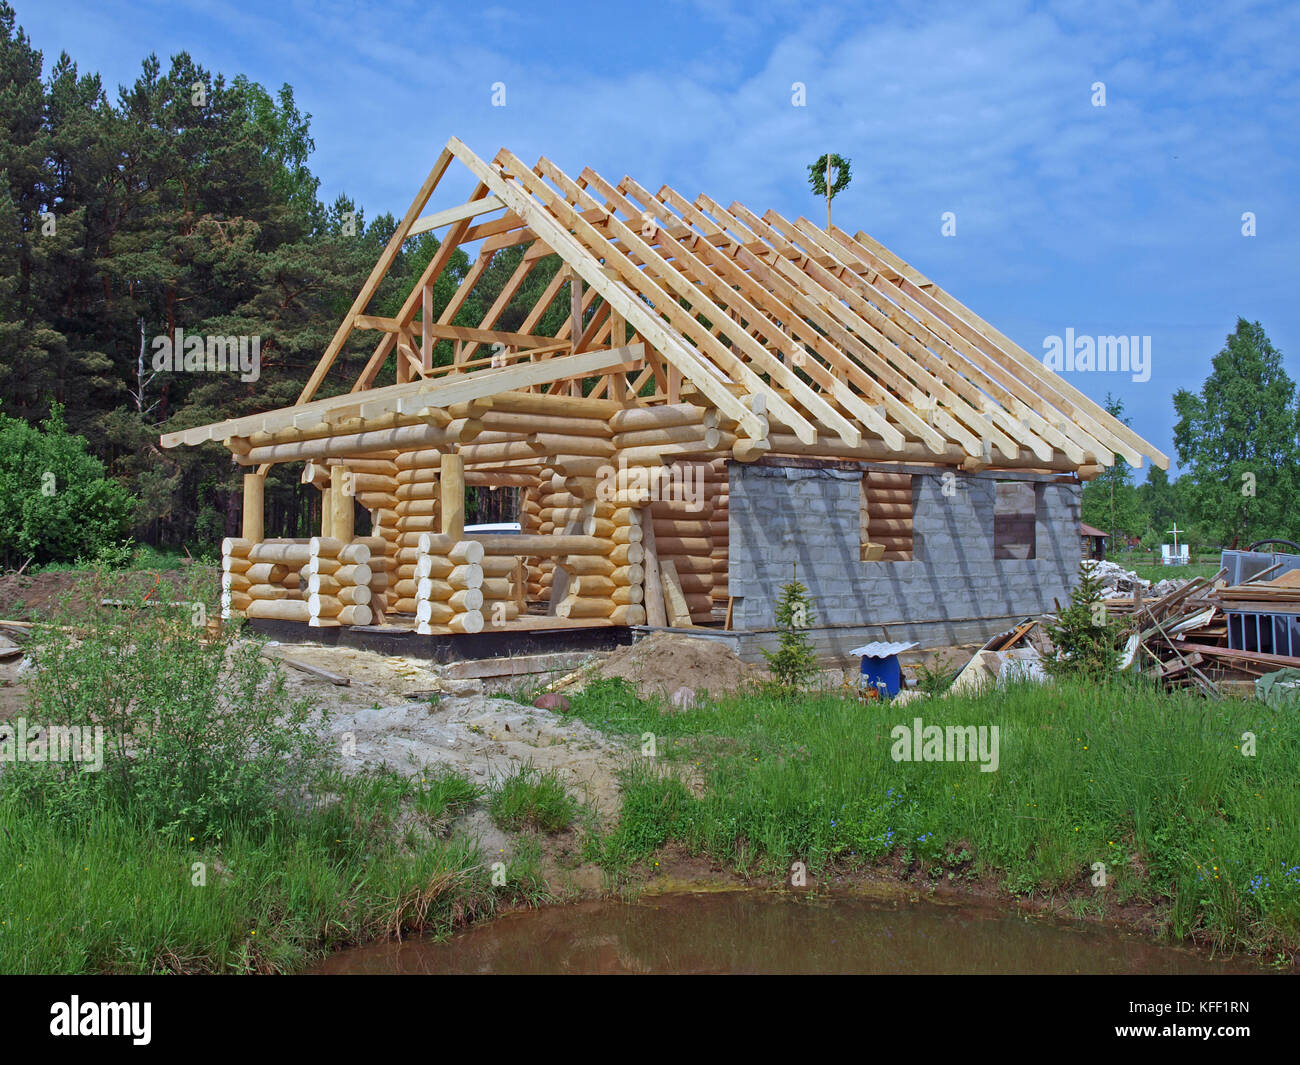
[402,714]
[664,662]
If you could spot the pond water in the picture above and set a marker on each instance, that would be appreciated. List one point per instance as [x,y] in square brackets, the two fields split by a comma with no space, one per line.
[749,932]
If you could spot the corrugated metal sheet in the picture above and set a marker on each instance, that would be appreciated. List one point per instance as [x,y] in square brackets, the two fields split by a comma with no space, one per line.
[882,650]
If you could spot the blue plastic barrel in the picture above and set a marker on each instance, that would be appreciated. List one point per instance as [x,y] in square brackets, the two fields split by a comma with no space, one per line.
[883,674]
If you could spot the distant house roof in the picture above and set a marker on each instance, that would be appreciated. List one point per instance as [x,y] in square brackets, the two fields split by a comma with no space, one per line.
[1087,530]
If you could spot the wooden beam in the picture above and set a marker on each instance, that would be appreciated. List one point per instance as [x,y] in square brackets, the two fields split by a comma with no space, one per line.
[451,476]
[454,214]
[426,328]
[377,274]
[455,332]
[254,515]
[341,505]
[636,313]
[654,588]
[415,396]
[679,613]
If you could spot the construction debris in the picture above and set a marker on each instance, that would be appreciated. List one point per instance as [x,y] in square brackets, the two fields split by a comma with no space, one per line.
[1208,636]
[1014,655]
[1116,581]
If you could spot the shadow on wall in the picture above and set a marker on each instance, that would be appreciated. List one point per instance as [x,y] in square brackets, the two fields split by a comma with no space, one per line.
[784,517]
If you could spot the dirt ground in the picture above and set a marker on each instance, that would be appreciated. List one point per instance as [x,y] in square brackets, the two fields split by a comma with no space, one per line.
[31,597]
[401,714]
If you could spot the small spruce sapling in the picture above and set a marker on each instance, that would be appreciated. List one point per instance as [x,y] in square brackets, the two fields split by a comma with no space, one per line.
[794,662]
[1085,640]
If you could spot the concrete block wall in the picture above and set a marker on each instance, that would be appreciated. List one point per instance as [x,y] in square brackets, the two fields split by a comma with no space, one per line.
[953,591]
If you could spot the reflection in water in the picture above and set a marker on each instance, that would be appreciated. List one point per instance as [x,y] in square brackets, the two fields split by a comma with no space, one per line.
[744,932]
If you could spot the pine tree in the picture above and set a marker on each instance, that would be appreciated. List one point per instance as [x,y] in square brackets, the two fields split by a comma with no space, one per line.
[794,662]
[1085,640]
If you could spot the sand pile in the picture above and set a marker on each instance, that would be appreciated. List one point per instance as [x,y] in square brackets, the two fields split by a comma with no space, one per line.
[664,662]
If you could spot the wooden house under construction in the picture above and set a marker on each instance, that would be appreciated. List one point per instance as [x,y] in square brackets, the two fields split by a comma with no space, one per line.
[733,398]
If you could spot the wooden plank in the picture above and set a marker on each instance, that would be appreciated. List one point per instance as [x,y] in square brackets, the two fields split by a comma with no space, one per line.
[306,667]
[679,614]
[1180,665]
[456,332]
[454,214]
[426,329]
[377,274]
[515,665]
[1279,661]
[654,590]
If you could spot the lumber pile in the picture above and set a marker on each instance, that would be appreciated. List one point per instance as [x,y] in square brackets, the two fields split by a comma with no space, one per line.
[1201,635]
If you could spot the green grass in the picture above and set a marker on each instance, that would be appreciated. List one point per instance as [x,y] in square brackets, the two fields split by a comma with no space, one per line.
[442,792]
[105,894]
[1153,785]
[533,798]
[219,834]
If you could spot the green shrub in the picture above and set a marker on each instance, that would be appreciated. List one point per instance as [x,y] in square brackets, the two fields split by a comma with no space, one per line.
[55,503]
[1085,640]
[937,677]
[199,730]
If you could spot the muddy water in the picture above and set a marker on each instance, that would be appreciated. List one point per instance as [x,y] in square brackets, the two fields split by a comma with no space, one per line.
[743,932]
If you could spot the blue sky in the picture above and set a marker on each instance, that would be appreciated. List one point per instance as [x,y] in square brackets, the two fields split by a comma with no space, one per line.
[1117,220]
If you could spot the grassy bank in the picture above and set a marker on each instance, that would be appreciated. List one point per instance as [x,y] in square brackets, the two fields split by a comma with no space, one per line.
[217,835]
[106,892]
[1154,786]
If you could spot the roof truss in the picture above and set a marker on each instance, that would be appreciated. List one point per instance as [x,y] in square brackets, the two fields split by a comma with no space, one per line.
[826,337]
